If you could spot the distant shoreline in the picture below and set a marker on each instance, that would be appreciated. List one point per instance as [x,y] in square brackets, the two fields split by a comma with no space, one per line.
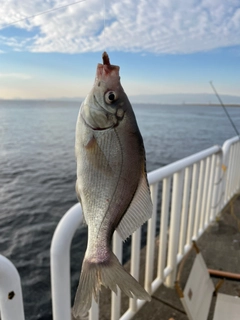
[188,104]
[132,102]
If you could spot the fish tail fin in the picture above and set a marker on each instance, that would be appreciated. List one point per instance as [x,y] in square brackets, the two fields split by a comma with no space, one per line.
[110,274]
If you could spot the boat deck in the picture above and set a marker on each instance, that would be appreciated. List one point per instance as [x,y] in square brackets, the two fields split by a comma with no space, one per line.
[220,247]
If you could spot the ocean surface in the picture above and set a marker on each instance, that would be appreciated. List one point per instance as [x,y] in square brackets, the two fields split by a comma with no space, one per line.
[38,173]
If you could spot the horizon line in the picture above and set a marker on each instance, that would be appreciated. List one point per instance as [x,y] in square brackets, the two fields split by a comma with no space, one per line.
[142,103]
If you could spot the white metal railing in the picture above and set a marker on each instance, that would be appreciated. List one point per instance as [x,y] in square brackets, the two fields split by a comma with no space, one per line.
[11,302]
[194,191]
[231,165]
[60,262]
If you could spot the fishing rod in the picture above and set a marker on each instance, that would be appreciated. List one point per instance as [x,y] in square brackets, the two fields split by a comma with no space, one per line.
[225,109]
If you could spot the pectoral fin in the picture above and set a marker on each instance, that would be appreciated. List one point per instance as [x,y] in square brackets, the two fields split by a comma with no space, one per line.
[140,210]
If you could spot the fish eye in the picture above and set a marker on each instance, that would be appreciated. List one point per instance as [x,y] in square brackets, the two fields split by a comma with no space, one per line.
[110,96]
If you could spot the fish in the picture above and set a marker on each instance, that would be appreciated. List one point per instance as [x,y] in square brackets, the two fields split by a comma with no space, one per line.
[111,185]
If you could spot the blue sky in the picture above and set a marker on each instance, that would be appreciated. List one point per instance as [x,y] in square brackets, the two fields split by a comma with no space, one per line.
[166,49]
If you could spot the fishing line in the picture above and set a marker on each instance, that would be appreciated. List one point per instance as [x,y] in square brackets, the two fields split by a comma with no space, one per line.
[224,108]
[233,125]
[40,13]
[104,24]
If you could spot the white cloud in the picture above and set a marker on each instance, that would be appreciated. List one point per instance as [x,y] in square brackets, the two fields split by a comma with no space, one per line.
[156,26]
[20,76]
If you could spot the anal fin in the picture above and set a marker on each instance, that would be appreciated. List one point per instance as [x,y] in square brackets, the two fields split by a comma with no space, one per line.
[139,211]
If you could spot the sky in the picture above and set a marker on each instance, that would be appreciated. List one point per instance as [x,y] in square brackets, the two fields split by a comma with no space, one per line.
[167,50]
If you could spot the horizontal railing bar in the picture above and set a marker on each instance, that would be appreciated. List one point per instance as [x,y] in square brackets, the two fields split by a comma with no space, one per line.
[129,313]
[167,271]
[168,170]
[181,256]
[156,284]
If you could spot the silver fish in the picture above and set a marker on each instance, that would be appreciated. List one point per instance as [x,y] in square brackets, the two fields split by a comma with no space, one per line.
[111,185]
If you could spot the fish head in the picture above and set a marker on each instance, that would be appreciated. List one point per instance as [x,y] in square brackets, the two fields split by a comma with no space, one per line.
[106,104]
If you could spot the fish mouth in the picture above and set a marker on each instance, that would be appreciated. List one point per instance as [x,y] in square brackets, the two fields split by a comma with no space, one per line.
[106,69]
[105,58]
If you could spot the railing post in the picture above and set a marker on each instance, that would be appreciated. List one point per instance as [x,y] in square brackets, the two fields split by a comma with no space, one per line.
[235,165]
[226,154]
[164,227]
[11,301]
[192,207]
[211,187]
[229,175]
[151,233]
[185,210]
[238,169]
[199,198]
[116,299]
[135,263]
[207,190]
[60,263]
[174,226]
